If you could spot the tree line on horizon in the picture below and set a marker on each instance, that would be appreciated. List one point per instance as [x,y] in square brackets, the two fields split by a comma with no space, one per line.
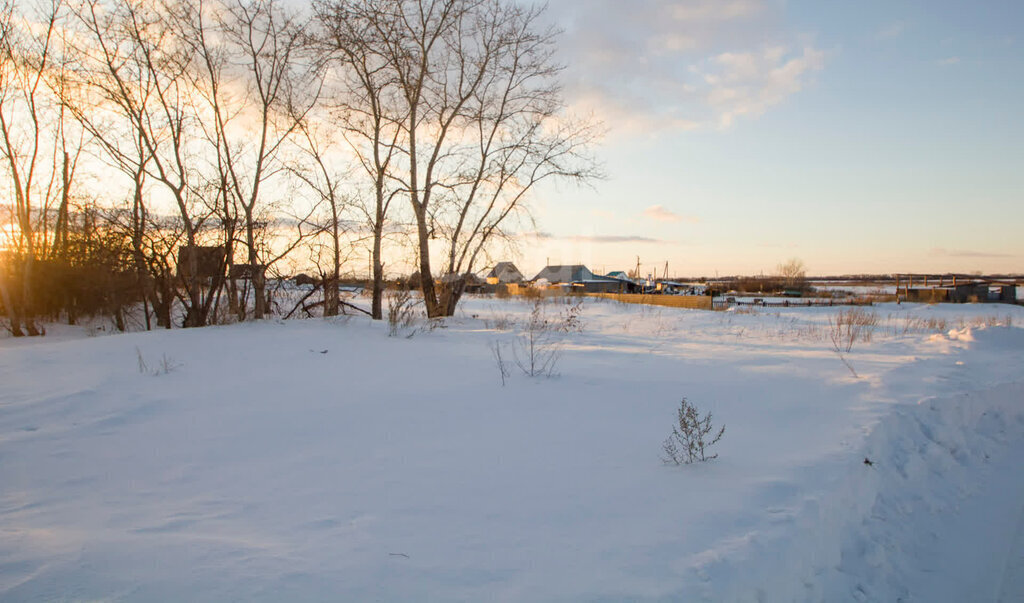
[174,153]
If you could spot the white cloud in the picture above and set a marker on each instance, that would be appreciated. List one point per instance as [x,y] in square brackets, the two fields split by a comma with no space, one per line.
[666,65]
[948,62]
[752,82]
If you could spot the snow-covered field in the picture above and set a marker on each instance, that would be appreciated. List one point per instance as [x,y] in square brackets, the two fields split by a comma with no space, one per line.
[323,460]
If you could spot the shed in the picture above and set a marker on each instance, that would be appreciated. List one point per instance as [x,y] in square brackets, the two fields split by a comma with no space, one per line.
[209,261]
[600,284]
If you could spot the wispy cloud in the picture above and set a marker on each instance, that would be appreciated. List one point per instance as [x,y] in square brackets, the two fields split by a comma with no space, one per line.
[965,253]
[545,236]
[948,62]
[681,64]
[749,83]
[659,213]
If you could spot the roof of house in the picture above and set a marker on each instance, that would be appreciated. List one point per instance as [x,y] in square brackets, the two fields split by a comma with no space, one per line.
[619,274]
[505,272]
[469,278]
[565,274]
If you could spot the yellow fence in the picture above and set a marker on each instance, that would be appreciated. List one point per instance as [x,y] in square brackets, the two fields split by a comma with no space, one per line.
[694,302]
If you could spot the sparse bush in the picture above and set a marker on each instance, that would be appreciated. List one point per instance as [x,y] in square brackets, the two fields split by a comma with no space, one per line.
[992,320]
[499,360]
[570,320]
[916,323]
[500,322]
[691,437]
[165,366]
[538,346]
[847,328]
[501,291]
[402,313]
[850,326]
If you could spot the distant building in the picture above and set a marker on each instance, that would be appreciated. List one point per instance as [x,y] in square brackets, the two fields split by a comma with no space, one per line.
[565,274]
[962,293]
[620,275]
[503,273]
[580,278]
[604,284]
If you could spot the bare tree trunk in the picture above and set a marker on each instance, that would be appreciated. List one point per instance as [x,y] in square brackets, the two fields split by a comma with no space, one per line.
[259,287]
[377,304]
[13,312]
[331,295]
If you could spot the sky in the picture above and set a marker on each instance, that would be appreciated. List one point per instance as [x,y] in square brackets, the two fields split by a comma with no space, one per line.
[859,137]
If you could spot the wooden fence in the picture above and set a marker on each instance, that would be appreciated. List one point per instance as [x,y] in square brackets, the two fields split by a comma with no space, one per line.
[694,302]
[795,303]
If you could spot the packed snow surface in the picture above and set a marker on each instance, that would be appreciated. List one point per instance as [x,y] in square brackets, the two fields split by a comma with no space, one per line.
[324,460]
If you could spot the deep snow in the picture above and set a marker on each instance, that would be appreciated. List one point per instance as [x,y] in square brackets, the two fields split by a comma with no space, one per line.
[260,468]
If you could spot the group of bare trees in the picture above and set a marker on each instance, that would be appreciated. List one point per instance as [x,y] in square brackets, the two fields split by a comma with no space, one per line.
[195,144]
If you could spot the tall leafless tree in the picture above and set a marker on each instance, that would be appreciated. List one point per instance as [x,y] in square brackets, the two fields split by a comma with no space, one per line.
[259,86]
[141,69]
[315,167]
[471,86]
[37,151]
[367,102]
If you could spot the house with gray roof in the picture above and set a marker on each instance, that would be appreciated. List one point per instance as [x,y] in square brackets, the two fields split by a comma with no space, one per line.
[565,274]
[504,272]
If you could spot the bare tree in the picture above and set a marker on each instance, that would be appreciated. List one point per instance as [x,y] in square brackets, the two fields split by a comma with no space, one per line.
[793,273]
[139,69]
[367,101]
[315,169]
[514,138]
[259,88]
[37,151]
[477,111]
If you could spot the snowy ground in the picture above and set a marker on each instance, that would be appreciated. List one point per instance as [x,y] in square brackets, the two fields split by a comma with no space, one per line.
[324,460]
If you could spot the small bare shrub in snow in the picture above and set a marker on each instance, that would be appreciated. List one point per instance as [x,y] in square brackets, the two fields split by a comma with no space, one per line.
[691,437]
[847,328]
[570,320]
[402,312]
[499,359]
[850,326]
[914,324]
[993,320]
[537,348]
[164,367]
[500,322]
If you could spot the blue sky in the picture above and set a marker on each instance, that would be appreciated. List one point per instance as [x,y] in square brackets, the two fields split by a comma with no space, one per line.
[856,136]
